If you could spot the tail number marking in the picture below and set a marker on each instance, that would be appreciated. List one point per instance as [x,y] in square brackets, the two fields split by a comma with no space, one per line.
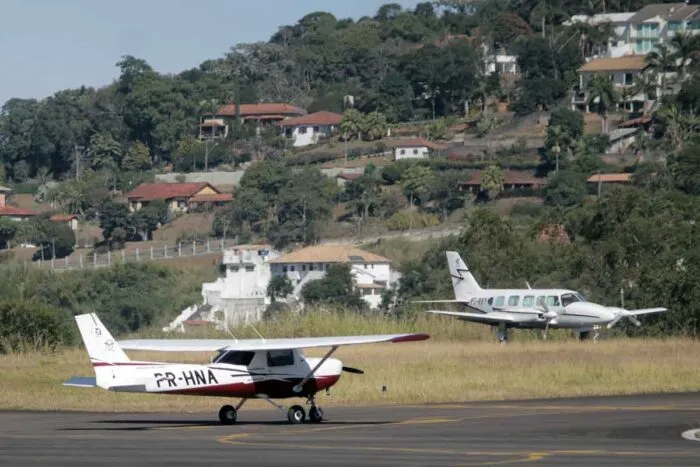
[187,378]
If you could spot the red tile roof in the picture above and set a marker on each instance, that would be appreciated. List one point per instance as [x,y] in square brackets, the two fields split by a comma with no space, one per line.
[510,177]
[317,118]
[262,109]
[212,198]
[416,143]
[62,217]
[153,191]
[10,211]
[610,178]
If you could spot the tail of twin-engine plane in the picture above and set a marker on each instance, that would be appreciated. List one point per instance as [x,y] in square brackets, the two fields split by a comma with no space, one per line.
[463,282]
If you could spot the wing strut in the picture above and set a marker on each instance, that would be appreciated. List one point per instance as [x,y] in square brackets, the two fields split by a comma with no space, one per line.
[301,384]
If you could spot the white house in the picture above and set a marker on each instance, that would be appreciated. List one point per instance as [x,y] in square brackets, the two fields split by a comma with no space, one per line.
[622,71]
[240,296]
[71,220]
[372,274]
[414,148]
[658,22]
[621,139]
[307,130]
[500,61]
[617,45]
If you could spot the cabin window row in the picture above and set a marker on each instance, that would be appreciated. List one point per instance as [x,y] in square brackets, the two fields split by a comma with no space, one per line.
[529,300]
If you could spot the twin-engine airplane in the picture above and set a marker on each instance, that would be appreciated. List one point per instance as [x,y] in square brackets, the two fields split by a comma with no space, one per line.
[529,308]
[263,369]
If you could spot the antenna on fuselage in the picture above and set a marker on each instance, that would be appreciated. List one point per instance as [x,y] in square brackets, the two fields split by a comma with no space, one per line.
[528,285]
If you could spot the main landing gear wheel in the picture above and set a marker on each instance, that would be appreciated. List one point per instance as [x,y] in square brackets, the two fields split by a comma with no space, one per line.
[296,414]
[315,414]
[228,415]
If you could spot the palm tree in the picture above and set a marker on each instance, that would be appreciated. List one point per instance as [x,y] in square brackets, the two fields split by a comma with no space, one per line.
[351,125]
[557,138]
[680,126]
[661,61]
[685,46]
[647,84]
[492,180]
[603,95]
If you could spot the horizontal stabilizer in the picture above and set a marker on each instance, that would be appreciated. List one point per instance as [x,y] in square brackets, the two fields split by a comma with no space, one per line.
[81,382]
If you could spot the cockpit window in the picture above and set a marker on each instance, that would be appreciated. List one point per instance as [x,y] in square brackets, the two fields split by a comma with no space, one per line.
[235,357]
[580,297]
[280,358]
[569,298]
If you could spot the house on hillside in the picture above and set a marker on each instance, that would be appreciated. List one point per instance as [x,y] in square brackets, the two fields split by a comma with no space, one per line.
[623,72]
[621,140]
[610,179]
[659,22]
[262,113]
[414,148]
[512,180]
[180,197]
[71,220]
[11,212]
[372,273]
[237,298]
[307,130]
[345,177]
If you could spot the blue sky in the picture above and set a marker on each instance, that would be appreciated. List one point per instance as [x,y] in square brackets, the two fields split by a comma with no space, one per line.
[48,45]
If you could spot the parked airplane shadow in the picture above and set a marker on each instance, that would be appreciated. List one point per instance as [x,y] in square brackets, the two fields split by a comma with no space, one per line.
[146,425]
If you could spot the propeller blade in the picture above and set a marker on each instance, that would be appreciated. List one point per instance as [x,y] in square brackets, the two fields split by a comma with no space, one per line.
[634,320]
[350,369]
[614,321]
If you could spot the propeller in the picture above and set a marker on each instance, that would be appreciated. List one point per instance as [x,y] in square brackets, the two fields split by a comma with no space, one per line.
[356,371]
[548,315]
[622,313]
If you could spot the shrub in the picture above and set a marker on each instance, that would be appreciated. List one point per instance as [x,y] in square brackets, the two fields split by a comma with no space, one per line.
[32,325]
[408,219]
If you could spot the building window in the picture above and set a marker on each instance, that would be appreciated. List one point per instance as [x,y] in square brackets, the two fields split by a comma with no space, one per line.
[415,151]
[315,129]
[402,152]
[303,267]
[629,79]
[291,268]
[302,130]
[284,268]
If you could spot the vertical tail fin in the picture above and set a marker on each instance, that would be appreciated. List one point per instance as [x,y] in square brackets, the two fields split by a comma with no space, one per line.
[99,343]
[463,281]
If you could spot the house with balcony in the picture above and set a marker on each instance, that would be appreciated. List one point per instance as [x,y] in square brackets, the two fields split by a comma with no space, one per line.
[309,129]
[372,273]
[617,45]
[658,22]
[623,72]
[217,124]
[179,197]
[238,297]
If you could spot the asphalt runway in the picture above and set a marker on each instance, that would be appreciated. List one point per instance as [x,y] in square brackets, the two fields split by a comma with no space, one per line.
[635,430]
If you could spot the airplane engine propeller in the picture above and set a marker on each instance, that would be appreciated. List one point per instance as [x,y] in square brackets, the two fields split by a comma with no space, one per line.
[356,371]
[622,313]
[548,316]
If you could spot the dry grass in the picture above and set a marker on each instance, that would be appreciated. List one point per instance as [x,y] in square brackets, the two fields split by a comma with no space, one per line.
[429,371]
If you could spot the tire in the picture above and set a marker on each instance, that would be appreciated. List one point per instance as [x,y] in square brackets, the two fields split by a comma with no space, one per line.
[296,414]
[315,415]
[227,415]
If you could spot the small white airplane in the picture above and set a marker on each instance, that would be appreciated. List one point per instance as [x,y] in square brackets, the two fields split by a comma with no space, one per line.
[245,369]
[529,308]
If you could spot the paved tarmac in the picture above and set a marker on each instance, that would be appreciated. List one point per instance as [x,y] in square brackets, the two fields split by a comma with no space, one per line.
[634,430]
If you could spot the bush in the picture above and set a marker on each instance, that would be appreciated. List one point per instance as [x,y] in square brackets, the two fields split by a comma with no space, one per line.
[32,325]
[407,219]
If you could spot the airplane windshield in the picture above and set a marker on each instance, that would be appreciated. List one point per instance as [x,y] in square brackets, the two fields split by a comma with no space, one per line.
[569,298]
[581,298]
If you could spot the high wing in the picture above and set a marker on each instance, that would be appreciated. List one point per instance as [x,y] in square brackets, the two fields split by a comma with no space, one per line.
[486,318]
[212,345]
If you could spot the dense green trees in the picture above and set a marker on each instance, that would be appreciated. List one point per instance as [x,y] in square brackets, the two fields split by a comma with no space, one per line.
[405,63]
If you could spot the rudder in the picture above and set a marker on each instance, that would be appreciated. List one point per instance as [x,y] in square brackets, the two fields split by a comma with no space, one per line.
[99,343]
[463,282]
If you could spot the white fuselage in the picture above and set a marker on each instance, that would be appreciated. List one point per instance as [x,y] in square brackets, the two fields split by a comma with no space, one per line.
[262,376]
[567,308]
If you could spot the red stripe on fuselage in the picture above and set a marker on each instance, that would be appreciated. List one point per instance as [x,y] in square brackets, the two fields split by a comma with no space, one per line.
[274,388]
